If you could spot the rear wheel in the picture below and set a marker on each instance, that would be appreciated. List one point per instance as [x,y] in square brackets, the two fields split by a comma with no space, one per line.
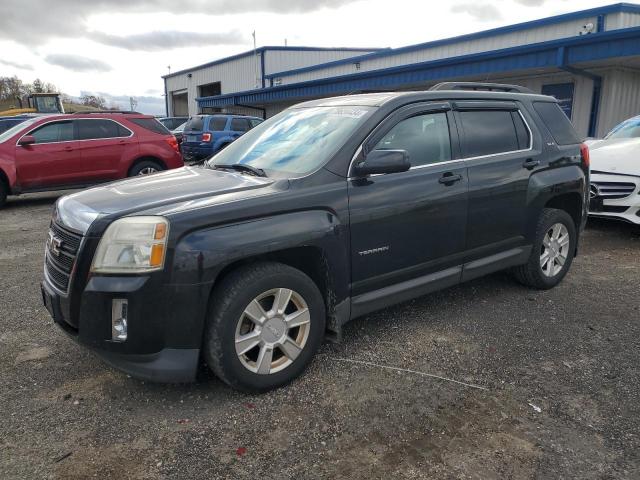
[552,252]
[146,167]
[265,325]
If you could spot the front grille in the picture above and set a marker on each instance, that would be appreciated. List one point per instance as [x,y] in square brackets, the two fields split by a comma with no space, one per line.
[613,190]
[61,251]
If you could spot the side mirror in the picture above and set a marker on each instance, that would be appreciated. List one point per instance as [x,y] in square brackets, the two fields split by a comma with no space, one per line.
[27,140]
[383,161]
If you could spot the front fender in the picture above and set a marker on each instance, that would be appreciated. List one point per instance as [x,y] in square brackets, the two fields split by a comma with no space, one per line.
[200,255]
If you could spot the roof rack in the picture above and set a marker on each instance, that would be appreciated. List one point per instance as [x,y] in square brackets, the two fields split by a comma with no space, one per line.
[491,87]
[124,112]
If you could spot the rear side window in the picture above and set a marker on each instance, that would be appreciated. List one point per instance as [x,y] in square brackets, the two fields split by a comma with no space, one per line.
[54,132]
[488,132]
[255,122]
[99,128]
[240,125]
[557,123]
[424,137]
[150,124]
[524,137]
[195,123]
[217,124]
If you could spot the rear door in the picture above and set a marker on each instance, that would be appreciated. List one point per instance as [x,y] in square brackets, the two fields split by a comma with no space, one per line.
[103,143]
[408,225]
[497,145]
[53,160]
[239,126]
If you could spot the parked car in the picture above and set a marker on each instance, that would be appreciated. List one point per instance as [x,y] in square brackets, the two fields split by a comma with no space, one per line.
[173,122]
[178,132]
[615,173]
[205,135]
[53,152]
[325,212]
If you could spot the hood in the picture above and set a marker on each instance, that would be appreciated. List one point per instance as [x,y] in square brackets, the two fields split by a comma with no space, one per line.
[620,155]
[160,191]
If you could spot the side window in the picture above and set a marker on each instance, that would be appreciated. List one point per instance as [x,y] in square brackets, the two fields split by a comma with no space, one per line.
[557,122]
[255,122]
[240,125]
[99,128]
[54,132]
[488,132]
[217,124]
[424,137]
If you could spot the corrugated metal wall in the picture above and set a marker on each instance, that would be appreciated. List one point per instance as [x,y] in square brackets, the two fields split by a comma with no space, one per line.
[534,35]
[620,99]
[615,21]
[244,73]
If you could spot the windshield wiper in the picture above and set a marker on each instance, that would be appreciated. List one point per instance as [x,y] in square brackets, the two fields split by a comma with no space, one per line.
[242,167]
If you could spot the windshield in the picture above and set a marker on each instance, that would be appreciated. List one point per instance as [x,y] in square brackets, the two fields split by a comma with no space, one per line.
[627,129]
[294,142]
[16,128]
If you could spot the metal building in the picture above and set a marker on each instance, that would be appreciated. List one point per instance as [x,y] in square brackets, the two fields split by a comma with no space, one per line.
[589,60]
[245,71]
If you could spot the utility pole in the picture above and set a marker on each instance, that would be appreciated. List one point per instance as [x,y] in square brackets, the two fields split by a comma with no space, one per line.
[255,56]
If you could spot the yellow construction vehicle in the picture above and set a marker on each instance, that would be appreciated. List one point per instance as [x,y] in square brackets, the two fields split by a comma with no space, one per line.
[36,103]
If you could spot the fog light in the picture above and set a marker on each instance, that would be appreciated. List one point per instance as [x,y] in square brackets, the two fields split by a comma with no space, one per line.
[119,310]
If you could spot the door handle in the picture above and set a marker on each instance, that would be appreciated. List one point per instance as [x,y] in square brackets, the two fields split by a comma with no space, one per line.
[449,178]
[530,163]
[68,149]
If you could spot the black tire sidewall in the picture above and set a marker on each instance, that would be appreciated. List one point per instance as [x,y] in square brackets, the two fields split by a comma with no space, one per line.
[135,170]
[553,217]
[225,320]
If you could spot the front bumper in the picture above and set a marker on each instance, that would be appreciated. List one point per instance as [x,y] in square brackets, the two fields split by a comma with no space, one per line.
[615,196]
[165,325]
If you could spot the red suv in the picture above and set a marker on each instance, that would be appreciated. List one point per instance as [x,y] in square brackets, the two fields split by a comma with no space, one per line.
[72,151]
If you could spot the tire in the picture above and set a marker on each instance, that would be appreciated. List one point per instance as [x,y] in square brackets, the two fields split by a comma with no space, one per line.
[146,167]
[538,273]
[244,290]
[3,193]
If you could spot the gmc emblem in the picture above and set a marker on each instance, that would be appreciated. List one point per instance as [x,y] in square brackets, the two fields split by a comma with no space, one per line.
[54,244]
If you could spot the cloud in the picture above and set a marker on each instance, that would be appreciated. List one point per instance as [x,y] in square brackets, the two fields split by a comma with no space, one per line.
[77,63]
[154,41]
[20,66]
[482,12]
[33,22]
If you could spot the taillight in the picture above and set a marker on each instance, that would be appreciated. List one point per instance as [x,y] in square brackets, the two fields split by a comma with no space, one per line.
[584,153]
[173,143]
[206,137]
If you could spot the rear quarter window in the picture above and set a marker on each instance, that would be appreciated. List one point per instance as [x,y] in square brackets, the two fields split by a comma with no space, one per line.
[151,124]
[557,123]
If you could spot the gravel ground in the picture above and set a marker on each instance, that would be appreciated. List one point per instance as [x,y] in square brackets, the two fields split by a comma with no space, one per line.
[560,371]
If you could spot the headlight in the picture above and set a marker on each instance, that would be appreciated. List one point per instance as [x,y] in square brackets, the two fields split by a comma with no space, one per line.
[132,245]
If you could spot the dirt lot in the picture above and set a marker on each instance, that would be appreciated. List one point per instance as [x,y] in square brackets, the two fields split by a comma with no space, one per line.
[561,372]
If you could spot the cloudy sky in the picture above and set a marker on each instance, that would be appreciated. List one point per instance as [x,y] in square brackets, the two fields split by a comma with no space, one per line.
[120,48]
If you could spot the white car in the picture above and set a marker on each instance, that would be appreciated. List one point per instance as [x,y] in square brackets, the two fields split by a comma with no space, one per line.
[615,173]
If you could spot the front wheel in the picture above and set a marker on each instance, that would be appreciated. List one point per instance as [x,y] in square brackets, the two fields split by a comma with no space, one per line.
[3,193]
[552,253]
[266,322]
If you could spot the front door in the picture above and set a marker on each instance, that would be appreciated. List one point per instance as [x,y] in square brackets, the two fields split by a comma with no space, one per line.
[405,226]
[52,160]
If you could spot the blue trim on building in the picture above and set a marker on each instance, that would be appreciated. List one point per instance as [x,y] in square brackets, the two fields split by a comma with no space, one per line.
[250,53]
[598,11]
[598,46]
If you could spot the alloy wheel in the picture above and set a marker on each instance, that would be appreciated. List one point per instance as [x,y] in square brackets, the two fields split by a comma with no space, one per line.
[272,331]
[555,249]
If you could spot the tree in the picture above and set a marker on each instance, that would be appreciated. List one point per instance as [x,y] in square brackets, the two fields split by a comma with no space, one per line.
[94,101]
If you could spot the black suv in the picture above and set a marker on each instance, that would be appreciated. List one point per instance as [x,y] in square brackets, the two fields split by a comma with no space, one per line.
[323,213]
